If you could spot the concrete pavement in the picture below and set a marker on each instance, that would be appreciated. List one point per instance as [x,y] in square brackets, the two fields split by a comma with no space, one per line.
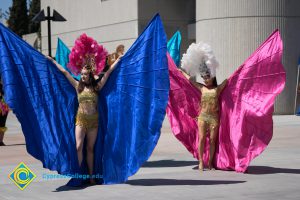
[170,173]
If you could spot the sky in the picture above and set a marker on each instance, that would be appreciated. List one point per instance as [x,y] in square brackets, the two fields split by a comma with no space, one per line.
[5,4]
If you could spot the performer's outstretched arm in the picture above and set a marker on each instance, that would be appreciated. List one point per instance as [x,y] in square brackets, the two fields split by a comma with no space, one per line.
[107,73]
[73,82]
[222,86]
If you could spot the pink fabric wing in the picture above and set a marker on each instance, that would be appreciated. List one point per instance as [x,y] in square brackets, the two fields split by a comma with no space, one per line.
[246,125]
[183,108]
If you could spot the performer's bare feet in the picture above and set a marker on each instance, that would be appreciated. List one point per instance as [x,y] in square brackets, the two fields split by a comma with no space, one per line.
[200,166]
[210,167]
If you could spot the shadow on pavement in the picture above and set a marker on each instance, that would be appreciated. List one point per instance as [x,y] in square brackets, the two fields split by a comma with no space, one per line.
[256,170]
[205,168]
[68,188]
[169,163]
[158,182]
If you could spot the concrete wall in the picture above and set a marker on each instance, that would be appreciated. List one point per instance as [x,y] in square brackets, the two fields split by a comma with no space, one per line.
[235,28]
[176,15]
[110,22]
[33,40]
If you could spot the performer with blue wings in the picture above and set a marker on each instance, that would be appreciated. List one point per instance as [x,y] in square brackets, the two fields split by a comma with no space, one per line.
[88,58]
[131,105]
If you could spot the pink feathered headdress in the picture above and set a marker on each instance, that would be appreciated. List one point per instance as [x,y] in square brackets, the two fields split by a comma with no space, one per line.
[87,52]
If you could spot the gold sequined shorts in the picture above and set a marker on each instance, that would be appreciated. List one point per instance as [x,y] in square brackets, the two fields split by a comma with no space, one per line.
[3,129]
[87,121]
[210,119]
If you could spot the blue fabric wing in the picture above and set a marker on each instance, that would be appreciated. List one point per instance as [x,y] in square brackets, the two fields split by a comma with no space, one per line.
[174,47]
[43,101]
[62,56]
[135,98]
[131,108]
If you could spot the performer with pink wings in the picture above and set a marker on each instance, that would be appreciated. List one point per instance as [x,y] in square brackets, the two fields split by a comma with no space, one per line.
[236,115]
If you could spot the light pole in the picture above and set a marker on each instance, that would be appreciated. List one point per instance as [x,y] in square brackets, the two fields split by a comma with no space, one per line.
[55,17]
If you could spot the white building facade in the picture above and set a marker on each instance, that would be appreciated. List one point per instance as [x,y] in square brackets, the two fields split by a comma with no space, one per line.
[114,22]
[234,28]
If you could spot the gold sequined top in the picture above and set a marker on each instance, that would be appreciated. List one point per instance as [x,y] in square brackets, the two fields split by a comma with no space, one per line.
[88,102]
[87,96]
[209,101]
[87,114]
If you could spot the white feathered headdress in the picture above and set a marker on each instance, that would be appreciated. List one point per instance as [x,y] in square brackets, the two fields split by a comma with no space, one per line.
[199,61]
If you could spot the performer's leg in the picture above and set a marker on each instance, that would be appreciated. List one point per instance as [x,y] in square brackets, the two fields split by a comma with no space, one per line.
[2,128]
[91,140]
[214,129]
[79,134]
[202,136]
[1,137]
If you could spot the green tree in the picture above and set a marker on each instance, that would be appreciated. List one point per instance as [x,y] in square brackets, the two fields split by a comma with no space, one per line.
[34,8]
[18,17]
[3,15]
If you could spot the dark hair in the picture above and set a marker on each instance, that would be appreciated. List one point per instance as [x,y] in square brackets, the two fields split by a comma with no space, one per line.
[215,83]
[92,83]
[119,47]
[106,64]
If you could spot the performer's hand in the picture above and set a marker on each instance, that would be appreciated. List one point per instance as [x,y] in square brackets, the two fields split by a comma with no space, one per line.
[119,58]
[51,59]
[57,65]
[184,74]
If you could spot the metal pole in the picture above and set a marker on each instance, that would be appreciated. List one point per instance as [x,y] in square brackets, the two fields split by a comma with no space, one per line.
[49,31]
[297,97]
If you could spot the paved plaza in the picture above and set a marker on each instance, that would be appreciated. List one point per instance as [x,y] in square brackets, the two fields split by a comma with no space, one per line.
[170,173]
